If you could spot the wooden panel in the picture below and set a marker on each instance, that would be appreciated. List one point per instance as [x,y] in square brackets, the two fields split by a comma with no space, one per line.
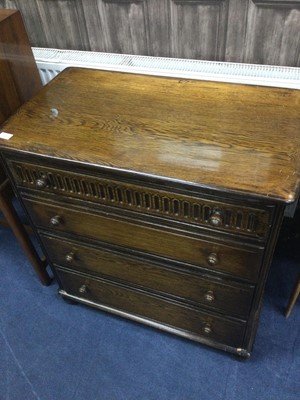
[272,35]
[236,31]
[198,29]
[125,24]
[57,24]
[160,29]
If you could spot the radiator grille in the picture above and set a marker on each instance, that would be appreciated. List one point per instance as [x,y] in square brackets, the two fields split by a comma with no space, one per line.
[52,61]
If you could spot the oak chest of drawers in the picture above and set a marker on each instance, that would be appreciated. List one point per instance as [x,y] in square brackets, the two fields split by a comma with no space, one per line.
[159,199]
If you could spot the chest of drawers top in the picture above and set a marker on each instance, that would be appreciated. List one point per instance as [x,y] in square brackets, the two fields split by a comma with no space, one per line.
[235,138]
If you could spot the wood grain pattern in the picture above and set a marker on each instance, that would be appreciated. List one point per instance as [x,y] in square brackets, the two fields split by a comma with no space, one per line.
[252,31]
[239,138]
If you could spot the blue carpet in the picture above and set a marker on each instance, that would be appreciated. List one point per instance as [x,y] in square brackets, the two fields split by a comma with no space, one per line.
[51,350]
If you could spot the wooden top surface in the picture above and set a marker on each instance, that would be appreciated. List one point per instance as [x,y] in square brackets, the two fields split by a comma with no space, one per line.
[238,138]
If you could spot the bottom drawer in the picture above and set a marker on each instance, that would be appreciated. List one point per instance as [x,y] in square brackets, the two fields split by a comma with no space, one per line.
[157,309]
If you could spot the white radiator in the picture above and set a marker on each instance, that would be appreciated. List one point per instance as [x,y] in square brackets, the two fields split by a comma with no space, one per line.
[52,61]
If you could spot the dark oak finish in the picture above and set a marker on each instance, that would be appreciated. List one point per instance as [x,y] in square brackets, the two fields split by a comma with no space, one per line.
[159,199]
[206,133]
[251,31]
[19,81]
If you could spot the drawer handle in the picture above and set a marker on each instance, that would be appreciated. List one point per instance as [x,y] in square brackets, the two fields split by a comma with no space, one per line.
[212,259]
[207,329]
[209,296]
[41,183]
[83,289]
[56,220]
[70,257]
[216,218]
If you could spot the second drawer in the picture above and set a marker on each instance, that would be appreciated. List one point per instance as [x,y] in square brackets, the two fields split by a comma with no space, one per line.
[228,298]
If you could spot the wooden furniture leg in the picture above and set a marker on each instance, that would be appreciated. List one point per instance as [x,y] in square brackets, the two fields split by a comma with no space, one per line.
[293,298]
[21,234]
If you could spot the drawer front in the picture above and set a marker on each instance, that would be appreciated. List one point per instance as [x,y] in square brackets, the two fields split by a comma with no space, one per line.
[215,214]
[232,299]
[151,239]
[157,309]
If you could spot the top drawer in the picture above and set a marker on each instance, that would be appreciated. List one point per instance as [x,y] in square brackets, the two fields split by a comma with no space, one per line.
[215,214]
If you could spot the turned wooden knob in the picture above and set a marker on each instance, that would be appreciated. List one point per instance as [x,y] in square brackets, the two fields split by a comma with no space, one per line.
[56,220]
[216,218]
[209,296]
[41,183]
[70,257]
[207,329]
[83,289]
[212,259]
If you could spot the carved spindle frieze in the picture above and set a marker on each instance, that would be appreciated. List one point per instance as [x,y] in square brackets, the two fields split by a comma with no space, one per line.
[138,198]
